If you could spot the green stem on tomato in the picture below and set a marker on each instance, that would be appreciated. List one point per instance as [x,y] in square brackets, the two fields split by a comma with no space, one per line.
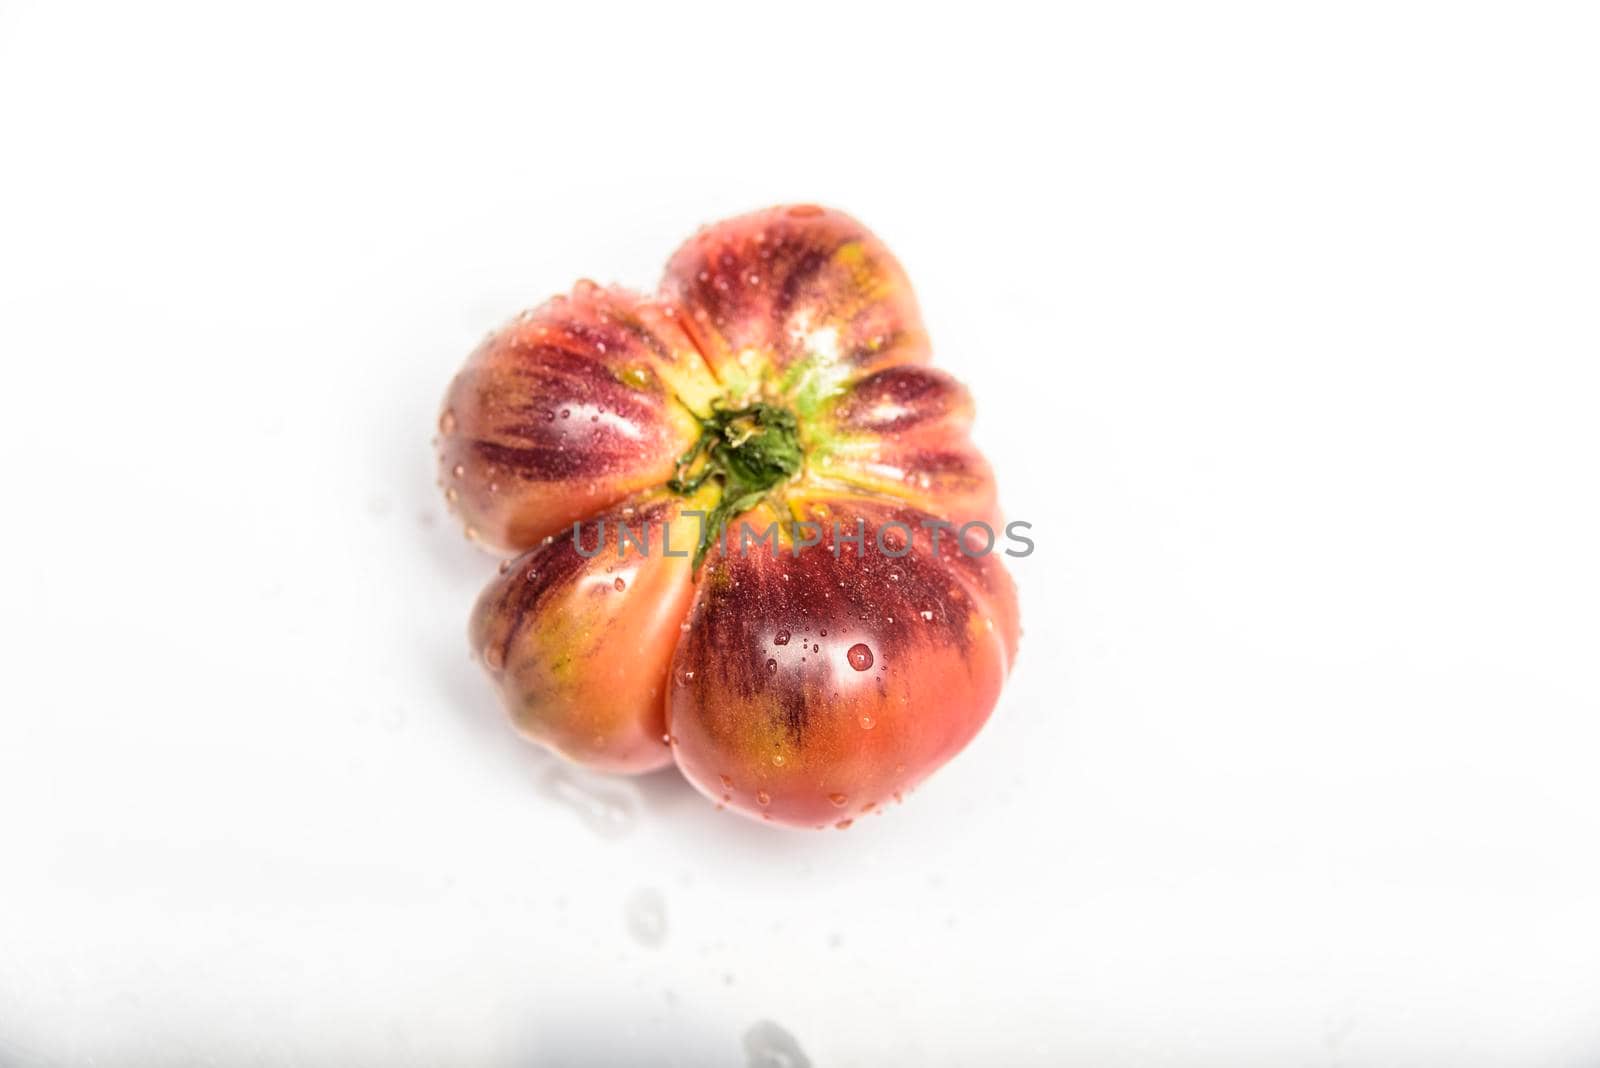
[749,451]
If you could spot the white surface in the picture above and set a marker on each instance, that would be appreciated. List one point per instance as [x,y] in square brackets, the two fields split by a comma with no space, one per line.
[1283,332]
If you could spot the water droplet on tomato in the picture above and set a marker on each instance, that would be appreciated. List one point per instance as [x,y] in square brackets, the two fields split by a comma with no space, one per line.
[860,656]
[447,422]
[619,584]
[763,798]
[772,665]
[781,638]
[867,722]
[838,800]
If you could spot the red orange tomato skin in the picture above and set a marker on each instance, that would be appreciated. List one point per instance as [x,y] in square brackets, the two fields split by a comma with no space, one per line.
[568,409]
[812,687]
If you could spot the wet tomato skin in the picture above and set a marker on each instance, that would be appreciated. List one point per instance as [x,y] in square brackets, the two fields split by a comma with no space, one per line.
[765,292]
[812,688]
[566,410]
[783,364]
[579,646]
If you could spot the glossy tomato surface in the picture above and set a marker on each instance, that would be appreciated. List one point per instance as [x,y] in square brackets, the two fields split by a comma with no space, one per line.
[741,510]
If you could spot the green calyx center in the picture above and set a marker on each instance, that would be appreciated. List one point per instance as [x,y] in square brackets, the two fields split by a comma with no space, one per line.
[749,451]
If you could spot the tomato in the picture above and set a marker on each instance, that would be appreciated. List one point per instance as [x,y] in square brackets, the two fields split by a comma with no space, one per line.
[754,538]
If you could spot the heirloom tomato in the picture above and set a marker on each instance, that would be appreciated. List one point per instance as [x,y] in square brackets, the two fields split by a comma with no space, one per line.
[751,529]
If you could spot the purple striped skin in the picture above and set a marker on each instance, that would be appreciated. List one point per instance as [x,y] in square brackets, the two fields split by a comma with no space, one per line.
[579,642]
[566,410]
[783,282]
[773,715]
[902,432]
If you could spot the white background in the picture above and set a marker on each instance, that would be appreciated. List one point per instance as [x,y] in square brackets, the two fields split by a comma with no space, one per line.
[1284,334]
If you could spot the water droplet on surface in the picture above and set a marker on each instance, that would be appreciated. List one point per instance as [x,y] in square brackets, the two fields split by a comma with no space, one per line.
[452,495]
[763,798]
[860,656]
[867,722]
[603,809]
[505,565]
[777,760]
[766,1045]
[619,584]
[838,800]
[646,911]
[458,470]
[447,422]
[772,665]
[781,638]
[844,825]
